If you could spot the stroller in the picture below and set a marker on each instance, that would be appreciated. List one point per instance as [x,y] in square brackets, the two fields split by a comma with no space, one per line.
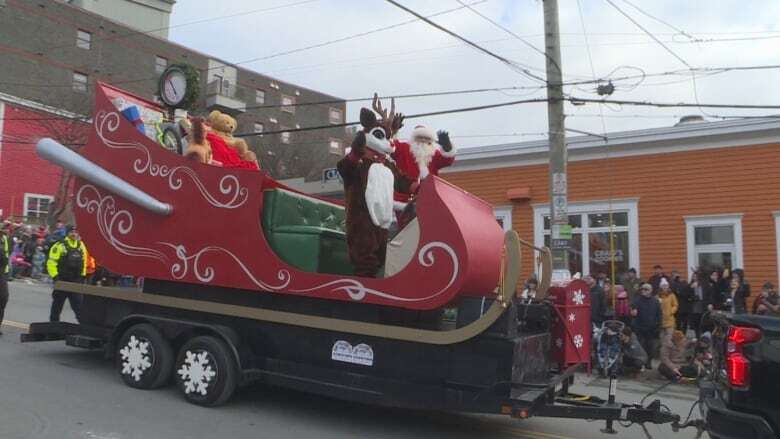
[609,347]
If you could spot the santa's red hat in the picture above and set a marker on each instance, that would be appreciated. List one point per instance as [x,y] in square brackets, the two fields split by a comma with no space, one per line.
[423,131]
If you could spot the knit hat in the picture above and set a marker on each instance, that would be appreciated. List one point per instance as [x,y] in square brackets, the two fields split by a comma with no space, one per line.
[69,228]
[664,283]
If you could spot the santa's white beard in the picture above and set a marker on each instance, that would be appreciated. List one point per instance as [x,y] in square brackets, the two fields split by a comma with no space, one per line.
[423,154]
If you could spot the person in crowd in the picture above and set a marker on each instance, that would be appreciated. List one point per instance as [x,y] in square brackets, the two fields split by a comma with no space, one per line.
[597,302]
[646,311]
[601,277]
[684,301]
[67,262]
[655,279]
[677,359]
[631,283]
[634,356]
[609,299]
[739,274]
[529,292]
[698,306]
[735,297]
[5,268]
[622,305]
[669,308]
[768,303]
[713,291]
[38,261]
[19,266]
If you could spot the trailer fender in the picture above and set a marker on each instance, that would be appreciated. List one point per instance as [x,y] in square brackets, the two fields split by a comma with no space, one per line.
[178,331]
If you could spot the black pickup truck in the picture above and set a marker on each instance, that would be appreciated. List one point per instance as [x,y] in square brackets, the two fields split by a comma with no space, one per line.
[741,398]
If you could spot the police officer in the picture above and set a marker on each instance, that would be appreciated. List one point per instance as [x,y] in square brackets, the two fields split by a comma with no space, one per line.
[5,265]
[67,262]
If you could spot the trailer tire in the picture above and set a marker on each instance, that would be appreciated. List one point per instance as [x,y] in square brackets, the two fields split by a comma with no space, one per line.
[206,371]
[144,358]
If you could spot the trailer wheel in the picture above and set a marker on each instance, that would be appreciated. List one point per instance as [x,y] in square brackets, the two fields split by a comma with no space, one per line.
[144,357]
[206,372]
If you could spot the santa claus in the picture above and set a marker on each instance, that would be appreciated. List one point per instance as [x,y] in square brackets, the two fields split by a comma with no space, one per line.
[422,156]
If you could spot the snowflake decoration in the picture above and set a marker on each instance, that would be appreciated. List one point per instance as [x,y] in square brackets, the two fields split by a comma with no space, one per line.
[135,358]
[572,317]
[578,298]
[578,341]
[559,342]
[196,372]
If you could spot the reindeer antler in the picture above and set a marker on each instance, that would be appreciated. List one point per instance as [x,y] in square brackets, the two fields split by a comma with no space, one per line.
[393,121]
[376,105]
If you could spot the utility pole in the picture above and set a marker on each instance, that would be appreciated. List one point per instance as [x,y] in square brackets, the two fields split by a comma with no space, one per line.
[560,231]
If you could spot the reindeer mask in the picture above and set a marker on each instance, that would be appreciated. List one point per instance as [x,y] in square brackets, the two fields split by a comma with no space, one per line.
[378,132]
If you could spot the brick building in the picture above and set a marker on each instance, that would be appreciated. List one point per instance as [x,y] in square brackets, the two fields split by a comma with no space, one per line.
[52,53]
[696,194]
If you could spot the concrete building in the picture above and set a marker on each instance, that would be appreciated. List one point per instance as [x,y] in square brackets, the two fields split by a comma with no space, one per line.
[144,15]
[701,194]
[53,52]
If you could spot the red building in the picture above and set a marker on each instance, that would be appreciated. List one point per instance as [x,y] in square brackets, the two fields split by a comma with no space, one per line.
[29,184]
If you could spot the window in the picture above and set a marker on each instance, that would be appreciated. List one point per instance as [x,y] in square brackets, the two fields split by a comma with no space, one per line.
[260,97]
[285,136]
[334,146]
[79,82]
[288,100]
[777,241]
[504,217]
[160,64]
[83,39]
[335,115]
[259,127]
[592,249]
[714,242]
[37,205]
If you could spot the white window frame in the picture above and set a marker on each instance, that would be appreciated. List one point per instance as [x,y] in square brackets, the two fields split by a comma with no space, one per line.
[333,111]
[733,219]
[777,242]
[83,39]
[79,86]
[338,146]
[260,96]
[284,136]
[158,66]
[631,206]
[289,108]
[29,195]
[504,213]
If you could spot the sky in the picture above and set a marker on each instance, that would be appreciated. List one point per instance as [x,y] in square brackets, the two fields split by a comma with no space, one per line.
[418,58]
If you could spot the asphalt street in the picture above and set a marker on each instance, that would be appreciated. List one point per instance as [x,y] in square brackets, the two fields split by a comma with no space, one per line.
[53,391]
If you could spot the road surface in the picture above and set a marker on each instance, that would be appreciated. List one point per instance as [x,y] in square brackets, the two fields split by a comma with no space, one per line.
[53,391]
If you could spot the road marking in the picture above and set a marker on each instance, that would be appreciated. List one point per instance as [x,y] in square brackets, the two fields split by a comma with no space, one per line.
[14,324]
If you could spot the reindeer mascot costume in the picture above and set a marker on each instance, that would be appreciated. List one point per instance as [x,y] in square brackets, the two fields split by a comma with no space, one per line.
[370,179]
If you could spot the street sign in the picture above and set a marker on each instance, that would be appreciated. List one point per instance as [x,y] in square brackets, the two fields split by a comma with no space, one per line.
[330,174]
[564,231]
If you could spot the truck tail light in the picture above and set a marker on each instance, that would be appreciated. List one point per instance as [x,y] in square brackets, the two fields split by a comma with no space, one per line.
[737,365]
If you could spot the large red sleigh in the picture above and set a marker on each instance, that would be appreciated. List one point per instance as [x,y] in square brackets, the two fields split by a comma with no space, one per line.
[145,211]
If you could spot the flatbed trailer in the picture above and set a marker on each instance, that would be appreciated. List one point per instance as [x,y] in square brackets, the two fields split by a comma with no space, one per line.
[211,348]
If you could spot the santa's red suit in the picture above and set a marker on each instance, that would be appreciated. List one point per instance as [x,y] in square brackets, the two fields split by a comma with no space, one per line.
[417,160]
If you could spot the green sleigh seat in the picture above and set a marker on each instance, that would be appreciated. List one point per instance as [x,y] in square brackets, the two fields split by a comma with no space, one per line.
[305,232]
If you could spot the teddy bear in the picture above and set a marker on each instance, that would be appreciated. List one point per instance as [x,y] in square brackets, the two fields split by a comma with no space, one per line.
[224,125]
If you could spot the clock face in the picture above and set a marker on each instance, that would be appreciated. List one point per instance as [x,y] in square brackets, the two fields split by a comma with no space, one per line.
[174,87]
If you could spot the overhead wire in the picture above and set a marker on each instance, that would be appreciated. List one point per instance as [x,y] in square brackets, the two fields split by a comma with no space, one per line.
[511,64]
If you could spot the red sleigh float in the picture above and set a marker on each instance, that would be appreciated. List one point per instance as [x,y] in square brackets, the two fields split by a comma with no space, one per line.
[195,223]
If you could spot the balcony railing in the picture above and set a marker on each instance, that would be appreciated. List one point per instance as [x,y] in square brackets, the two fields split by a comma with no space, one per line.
[221,94]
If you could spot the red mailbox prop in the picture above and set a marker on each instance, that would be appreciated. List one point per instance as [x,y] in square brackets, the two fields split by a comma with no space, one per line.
[572,328]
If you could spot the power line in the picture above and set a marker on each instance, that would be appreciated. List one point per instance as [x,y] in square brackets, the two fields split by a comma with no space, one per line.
[513,65]
[577,100]
[649,34]
[665,23]
[590,60]
[411,116]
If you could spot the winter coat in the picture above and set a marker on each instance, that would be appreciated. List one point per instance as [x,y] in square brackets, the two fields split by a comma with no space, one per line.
[713,294]
[634,350]
[669,306]
[597,305]
[738,302]
[685,296]
[648,318]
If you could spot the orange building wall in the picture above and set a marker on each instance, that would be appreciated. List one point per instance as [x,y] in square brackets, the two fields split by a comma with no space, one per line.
[669,186]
